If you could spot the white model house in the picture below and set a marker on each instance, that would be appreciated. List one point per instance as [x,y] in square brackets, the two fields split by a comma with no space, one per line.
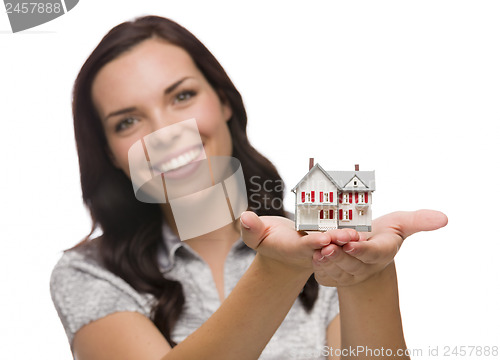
[326,200]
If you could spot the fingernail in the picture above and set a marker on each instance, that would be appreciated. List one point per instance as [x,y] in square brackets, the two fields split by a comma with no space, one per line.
[330,254]
[243,223]
[348,251]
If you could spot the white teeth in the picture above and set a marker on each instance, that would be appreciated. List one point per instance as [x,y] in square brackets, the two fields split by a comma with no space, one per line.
[180,160]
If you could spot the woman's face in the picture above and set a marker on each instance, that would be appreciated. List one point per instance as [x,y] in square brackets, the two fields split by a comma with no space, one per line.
[152,86]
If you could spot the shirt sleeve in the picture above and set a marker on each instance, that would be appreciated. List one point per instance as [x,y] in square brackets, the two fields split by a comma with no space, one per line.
[83,292]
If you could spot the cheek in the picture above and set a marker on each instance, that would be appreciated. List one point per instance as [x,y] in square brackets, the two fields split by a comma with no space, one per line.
[210,117]
[119,154]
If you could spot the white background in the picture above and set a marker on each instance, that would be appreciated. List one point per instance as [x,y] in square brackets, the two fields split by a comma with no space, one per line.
[410,89]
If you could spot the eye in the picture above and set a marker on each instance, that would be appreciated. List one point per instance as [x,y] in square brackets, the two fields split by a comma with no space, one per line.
[125,124]
[184,96]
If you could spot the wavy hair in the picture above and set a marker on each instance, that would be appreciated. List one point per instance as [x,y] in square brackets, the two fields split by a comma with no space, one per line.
[131,230]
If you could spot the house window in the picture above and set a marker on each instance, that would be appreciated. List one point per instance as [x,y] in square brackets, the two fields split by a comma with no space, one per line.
[362,198]
[326,215]
[307,197]
[345,215]
[347,198]
[355,183]
[326,197]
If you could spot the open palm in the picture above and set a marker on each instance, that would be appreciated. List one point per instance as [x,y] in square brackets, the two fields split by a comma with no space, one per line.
[355,261]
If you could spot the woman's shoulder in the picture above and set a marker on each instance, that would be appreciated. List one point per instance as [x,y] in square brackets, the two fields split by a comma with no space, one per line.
[81,262]
[86,252]
[83,290]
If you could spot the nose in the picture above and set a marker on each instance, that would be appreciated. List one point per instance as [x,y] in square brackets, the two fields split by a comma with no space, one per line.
[164,131]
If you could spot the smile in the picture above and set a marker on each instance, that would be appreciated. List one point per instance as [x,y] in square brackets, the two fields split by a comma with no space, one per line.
[180,160]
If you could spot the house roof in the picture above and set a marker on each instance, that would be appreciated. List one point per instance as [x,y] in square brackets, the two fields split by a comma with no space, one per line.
[341,178]
[317,166]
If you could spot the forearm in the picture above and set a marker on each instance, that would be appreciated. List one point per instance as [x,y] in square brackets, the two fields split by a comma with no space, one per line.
[370,315]
[248,318]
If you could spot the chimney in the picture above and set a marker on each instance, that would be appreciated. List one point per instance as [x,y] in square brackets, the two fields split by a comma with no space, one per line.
[356,167]
[311,163]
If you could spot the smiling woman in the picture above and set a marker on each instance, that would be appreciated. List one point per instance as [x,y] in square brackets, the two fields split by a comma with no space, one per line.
[145,75]
[163,86]
[244,291]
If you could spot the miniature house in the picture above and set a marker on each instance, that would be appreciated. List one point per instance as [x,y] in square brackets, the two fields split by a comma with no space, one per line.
[326,200]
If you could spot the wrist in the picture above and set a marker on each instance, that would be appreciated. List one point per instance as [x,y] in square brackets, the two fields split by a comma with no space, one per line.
[374,283]
[283,270]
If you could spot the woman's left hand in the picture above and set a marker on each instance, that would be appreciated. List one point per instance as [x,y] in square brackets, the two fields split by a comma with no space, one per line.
[354,257]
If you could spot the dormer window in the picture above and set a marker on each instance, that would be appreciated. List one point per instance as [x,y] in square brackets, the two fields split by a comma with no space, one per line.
[355,183]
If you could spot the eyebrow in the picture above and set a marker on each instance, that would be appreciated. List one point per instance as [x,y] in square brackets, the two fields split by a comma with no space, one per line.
[167,91]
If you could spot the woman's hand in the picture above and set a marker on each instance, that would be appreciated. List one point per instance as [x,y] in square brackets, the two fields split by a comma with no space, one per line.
[275,238]
[354,257]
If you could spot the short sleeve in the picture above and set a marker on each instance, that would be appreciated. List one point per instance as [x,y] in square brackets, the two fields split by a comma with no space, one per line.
[83,291]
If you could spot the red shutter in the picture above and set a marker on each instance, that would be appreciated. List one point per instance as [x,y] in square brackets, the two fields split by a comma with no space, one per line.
[331,196]
[321,214]
[356,197]
[321,196]
[366,198]
[312,196]
[340,198]
[340,214]
[350,198]
[331,214]
[303,196]
[350,214]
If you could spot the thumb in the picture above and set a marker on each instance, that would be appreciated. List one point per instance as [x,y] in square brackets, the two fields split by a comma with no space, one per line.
[421,220]
[253,229]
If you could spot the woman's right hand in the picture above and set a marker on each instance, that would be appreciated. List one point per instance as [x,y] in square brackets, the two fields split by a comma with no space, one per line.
[275,238]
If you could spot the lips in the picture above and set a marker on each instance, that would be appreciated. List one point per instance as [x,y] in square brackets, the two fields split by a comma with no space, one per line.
[179,159]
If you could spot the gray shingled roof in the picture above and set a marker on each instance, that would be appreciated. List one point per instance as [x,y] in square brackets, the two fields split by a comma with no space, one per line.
[341,178]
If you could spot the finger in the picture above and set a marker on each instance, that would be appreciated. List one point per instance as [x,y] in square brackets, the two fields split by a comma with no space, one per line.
[316,241]
[423,220]
[338,261]
[363,236]
[325,269]
[253,230]
[407,223]
[343,236]
[374,252]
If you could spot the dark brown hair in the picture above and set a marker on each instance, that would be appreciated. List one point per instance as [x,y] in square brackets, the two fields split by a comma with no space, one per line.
[131,230]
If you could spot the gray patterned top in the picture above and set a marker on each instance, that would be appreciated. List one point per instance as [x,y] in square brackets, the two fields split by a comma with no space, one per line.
[83,291]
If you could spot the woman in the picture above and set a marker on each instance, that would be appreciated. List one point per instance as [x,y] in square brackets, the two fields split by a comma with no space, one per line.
[138,292]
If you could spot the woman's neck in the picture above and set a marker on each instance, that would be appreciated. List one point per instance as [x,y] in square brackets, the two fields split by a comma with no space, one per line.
[213,246]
